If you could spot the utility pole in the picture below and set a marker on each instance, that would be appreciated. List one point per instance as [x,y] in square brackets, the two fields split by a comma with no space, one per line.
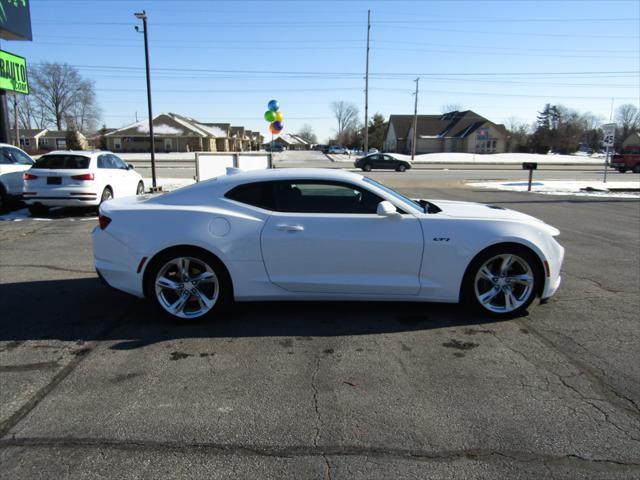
[143,16]
[415,122]
[366,90]
[15,118]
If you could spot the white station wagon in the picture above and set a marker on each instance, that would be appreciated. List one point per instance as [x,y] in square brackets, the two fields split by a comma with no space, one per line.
[78,179]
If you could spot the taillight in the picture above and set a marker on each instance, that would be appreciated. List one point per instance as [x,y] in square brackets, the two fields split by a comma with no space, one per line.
[103,221]
[28,176]
[84,176]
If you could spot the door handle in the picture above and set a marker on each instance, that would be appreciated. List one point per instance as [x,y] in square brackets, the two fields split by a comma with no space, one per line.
[290,228]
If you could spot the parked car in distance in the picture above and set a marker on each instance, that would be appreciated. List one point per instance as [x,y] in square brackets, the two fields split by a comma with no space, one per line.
[373,150]
[337,150]
[276,147]
[320,234]
[381,161]
[320,148]
[68,178]
[13,162]
[627,159]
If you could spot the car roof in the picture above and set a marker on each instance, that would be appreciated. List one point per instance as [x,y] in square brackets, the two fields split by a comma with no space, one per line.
[86,153]
[271,174]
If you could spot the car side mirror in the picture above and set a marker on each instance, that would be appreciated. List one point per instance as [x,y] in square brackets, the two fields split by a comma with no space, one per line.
[387,209]
[130,166]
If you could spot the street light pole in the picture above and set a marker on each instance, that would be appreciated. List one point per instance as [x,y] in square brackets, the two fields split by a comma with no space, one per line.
[143,16]
[415,122]
[366,90]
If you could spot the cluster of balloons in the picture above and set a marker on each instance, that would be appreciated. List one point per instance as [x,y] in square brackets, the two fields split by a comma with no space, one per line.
[274,117]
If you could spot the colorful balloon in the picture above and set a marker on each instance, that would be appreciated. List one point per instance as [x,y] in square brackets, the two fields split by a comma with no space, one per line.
[278,117]
[273,129]
[270,116]
[278,125]
[273,105]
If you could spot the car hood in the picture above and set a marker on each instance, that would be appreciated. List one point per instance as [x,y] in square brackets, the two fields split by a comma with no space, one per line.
[488,212]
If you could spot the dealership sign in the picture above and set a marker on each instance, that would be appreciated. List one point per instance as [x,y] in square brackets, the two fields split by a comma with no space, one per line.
[13,73]
[15,20]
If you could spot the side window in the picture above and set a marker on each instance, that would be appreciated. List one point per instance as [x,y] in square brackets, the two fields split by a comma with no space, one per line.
[388,158]
[5,157]
[308,196]
[118,163]
[21,157]
[258,194]
[103,161]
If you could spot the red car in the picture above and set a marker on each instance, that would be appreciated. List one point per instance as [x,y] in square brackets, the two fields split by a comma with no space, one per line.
[628,159]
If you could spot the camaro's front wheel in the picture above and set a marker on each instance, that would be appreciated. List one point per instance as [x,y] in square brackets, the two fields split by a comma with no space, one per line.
[187,284]
[502,282]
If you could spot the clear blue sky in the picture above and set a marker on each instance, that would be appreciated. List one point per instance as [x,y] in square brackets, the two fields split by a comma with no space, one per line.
[222,61]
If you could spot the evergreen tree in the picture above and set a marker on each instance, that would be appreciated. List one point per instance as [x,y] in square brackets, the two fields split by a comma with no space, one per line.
[102,142]
[377,129]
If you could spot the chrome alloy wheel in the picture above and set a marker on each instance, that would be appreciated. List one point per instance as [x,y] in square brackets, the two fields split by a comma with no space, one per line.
[504,283]
[187,287]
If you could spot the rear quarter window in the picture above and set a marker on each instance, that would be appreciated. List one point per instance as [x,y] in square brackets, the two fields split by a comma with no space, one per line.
[258,194]
[63,162]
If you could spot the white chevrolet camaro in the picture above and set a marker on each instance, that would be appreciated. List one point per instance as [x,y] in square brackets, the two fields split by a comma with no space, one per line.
[319,234]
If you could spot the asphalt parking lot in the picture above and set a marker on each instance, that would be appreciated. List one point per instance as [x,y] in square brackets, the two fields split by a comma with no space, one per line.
[94,385]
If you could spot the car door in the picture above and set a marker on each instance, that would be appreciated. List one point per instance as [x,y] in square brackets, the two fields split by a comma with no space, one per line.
[389,162]
[104,172]
[13,162]
[126,179]
[325,237]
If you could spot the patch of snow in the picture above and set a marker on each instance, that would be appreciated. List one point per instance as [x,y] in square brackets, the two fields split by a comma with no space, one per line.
[169,184]
[160,129]
[19,216]
[212,130]
[616,189]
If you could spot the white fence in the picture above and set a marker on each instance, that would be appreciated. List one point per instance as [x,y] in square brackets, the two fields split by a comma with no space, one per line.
[210,164]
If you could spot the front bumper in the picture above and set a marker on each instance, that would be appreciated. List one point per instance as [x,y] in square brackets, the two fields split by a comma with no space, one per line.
[554,260]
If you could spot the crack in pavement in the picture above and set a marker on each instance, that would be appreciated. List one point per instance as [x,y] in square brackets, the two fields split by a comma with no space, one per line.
[314,386]
[29,366]
[49,267]
[22,412]
[610,394]
[288,451]
[580,395]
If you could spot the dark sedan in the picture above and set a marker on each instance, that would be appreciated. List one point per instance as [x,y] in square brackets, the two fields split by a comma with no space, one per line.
[382,161]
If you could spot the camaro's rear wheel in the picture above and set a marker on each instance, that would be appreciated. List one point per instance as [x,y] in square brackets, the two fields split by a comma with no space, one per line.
[502,282]
[188,284]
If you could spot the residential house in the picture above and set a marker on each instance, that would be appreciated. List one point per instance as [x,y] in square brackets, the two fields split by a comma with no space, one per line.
[239,139]
[34,140]
[223,135]
[450,132]
[172,133]
[292,142]
[633,139]
[29,138]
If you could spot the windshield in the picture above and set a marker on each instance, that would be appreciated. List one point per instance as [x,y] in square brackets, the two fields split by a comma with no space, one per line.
[393,193]
[63,162]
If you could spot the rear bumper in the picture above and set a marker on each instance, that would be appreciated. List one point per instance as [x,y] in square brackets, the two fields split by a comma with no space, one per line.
[116,264]
[69,198]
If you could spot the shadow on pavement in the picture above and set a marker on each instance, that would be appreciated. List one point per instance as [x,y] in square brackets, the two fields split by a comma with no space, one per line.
[85,310]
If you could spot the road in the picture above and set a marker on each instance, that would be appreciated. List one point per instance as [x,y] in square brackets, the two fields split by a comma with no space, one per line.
[95,385]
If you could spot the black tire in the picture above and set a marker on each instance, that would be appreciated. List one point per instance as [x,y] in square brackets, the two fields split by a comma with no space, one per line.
[38,210]
[622,170]
[107,194]
[401,167]
[366,167]
[469,294]
[223,281]
[140,188]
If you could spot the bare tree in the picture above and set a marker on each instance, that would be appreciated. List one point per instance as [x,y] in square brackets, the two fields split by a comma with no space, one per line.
[306,133]
[451,107]
[628,120]
[346,114]
[59,93]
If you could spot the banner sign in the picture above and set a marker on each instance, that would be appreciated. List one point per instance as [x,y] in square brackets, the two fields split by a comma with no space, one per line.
[13,73]
[15,20]
[482,134]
